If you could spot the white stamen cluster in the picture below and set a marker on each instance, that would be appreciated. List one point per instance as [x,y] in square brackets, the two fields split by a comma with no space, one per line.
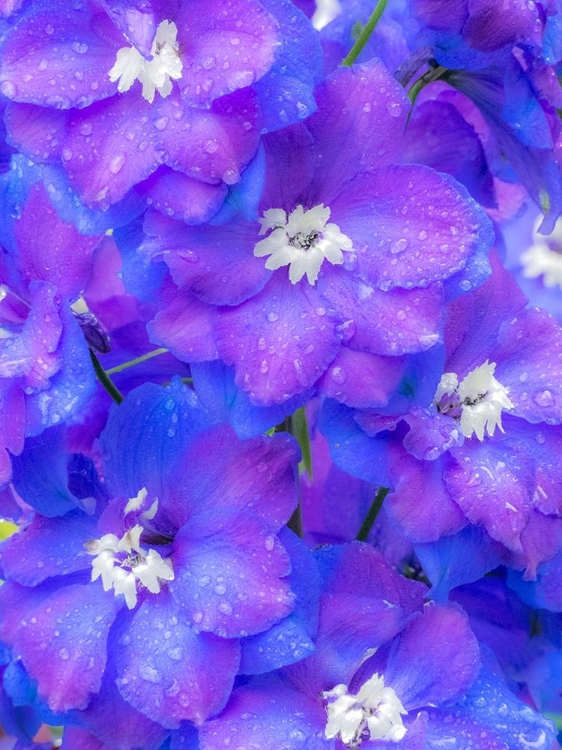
[302,240]
[477,401]
[122,564]
[375,713]
[155,74]
[544,257]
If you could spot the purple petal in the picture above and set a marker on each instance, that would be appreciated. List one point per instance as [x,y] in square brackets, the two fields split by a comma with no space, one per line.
[269,716]
[279,342]
[53,56]
[420,503]
[48,547]
[434,659]
[430,13]
[59,254]
[170,672]
[529,357]
[359,124]
[422,227]
[138,20]
[493,483]
[257,476]
[393,322]
[61,637]
[224,47]
[439,137]
[12,422]
[493,24]
[185,326]
[230,574]
[109,147]
[36,131]
[361,380]
[457,559]
[208,144]
[289,167]
[181,197]
[215,263]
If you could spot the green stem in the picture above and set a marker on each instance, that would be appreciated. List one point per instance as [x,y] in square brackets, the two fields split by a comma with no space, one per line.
[299,428]
[432,75]
[365,34]
[105,380]
[372,514]
[137,361]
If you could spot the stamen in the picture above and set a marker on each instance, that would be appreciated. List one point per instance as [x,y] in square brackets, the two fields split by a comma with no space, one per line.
[302,241]
[155,74]
[375,713]
[122,564]
[477,402]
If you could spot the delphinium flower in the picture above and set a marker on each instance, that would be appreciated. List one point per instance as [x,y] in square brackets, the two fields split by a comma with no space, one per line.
[167,96]
[387,673]
[473,466]
[348,257]
[45,370]
[151,600]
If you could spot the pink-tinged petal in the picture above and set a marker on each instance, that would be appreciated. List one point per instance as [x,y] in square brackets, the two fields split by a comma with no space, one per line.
[58,254]
[280,341]
[362,380]
[257,476]
[169,671]
[53,56]
[209,144]
[529,364]
[109,147]
[359,124]
[225,46]
[420,503]
[61,637]
[185,326]
[434,659]
[269,715]
[38,132]
[410,225]
[181,197]
[398,321]
[229,574]
[493,483]
[214,263]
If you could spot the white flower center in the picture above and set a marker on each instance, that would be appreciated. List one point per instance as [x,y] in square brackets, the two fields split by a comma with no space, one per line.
[478,401]
[122,564]
[544,257]
[375,713]
[154,74]
[302,241]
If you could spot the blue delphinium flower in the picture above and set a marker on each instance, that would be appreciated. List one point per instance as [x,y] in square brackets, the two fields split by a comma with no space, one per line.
[45,369]
[170,95]
[472,462]
[149,596]
[347,259]
[387,673]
